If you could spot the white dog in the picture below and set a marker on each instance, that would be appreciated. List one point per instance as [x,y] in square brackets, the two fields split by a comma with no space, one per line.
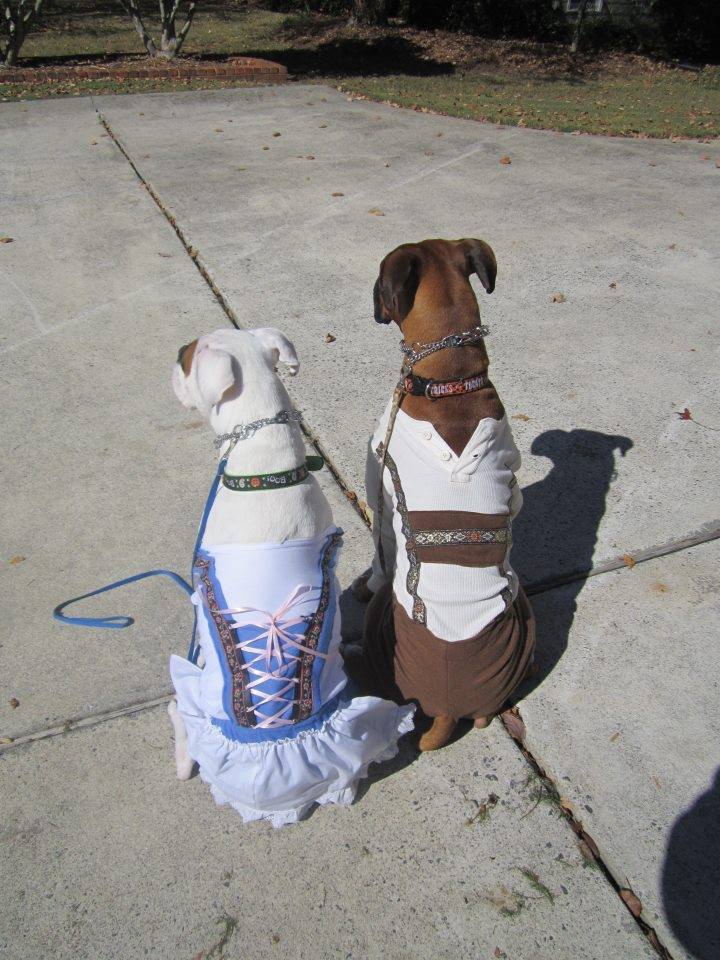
[267,717]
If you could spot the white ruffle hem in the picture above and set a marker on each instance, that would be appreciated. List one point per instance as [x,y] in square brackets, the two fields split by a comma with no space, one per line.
[281,780]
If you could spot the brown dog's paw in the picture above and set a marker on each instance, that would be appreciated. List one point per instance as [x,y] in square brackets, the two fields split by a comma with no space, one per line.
[438,734]
[360,589]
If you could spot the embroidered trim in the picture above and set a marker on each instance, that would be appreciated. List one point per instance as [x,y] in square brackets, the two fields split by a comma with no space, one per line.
[273,481]
[436,538]
[419,386]
[304,703]
[419,613]
[241,697]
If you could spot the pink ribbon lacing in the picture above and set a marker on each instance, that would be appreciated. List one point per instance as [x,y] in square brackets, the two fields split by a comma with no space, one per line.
[274,632]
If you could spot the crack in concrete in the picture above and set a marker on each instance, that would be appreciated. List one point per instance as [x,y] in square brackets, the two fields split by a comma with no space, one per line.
[591,848]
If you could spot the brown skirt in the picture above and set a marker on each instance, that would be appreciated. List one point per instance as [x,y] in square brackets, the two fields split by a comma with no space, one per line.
[402,660]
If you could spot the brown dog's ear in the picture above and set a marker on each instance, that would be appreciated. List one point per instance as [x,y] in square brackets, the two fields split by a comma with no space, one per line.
[480,259]
[396,285]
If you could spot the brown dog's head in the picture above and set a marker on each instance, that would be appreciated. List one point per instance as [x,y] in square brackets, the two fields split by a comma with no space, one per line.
[432,279]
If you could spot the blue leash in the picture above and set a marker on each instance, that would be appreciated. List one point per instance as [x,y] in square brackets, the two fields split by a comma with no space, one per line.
[120,622]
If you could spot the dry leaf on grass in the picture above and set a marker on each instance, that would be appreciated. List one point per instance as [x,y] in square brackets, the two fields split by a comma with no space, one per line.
[375,212]
[505,161]
[632,902]
[558,298]
[628,560]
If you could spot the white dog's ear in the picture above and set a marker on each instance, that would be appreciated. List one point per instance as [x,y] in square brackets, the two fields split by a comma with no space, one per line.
[279,348]
[214,373]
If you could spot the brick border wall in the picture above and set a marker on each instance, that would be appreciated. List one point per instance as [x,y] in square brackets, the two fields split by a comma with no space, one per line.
[240,68]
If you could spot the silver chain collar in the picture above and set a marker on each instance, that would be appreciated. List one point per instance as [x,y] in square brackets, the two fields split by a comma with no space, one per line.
[415,352]
[243,431]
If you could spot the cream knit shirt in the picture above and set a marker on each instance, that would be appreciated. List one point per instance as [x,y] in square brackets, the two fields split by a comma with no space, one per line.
[459,600]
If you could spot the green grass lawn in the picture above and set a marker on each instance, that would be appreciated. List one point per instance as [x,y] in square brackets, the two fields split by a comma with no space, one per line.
[530,86]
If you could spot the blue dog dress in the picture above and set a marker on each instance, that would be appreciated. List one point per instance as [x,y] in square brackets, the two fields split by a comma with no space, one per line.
[267,716]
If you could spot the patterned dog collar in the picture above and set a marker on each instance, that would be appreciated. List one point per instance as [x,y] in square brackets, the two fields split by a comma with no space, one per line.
[273,481]
[418,386]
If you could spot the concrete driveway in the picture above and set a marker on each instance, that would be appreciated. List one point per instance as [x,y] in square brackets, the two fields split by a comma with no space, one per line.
[139,222]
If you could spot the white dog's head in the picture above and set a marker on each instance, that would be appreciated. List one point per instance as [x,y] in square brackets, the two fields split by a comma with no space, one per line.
[229,365]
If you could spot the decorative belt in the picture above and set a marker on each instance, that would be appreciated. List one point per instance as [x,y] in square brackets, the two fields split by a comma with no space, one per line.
[418,386]
[273,481]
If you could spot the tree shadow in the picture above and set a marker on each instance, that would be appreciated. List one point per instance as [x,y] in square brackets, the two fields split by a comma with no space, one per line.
[379,57]
[555,533]
[691,876]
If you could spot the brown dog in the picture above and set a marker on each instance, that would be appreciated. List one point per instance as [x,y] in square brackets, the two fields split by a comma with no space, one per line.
[448,624]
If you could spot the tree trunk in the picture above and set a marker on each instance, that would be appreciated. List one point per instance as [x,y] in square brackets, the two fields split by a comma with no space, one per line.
[371,11]
[18,17]
[132,8]
[171,41]
[577,35]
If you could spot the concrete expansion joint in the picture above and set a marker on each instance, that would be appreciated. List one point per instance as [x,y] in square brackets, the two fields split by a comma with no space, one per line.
[83,722]
[191,251]
[515,726]
[705,534]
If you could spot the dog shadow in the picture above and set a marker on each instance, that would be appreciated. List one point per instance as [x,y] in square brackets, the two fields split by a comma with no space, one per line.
[555,533]
[691,876]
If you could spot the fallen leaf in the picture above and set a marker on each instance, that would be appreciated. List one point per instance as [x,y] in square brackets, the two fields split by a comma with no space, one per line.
[706,156]
[660,587]
[513,724]
[558,298]
[93,143]
[586,852]
[275,938]
[613,285]
[505,161]
[310,156]
[566,804]
[672,246]
[351,495]
[164,254]
[387,164]
[218,129]
[591,845]
[657,783]
[6,239]
[684,414]
[632,902]
[375,212]
[329,338]
[652,164]
[6,740]
[614,737]
[439,134]
[266,148]
[322,126]
[628,560]
[14,561]
[520,416]
[14,703]
[277,133]
[428,153]
[337,194]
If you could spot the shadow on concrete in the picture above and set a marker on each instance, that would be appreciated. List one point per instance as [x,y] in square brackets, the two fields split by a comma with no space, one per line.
[556,531]
[691,876]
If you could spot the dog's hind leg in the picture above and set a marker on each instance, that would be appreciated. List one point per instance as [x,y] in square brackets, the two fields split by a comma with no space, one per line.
[183,762]
[438,734]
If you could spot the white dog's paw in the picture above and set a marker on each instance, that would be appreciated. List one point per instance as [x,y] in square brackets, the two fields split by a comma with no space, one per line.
[183,763]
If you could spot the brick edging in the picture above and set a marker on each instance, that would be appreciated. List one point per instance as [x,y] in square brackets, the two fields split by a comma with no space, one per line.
[240,68]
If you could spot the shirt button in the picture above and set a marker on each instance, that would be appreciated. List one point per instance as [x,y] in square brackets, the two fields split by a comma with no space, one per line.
[447,456]
[427,434]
